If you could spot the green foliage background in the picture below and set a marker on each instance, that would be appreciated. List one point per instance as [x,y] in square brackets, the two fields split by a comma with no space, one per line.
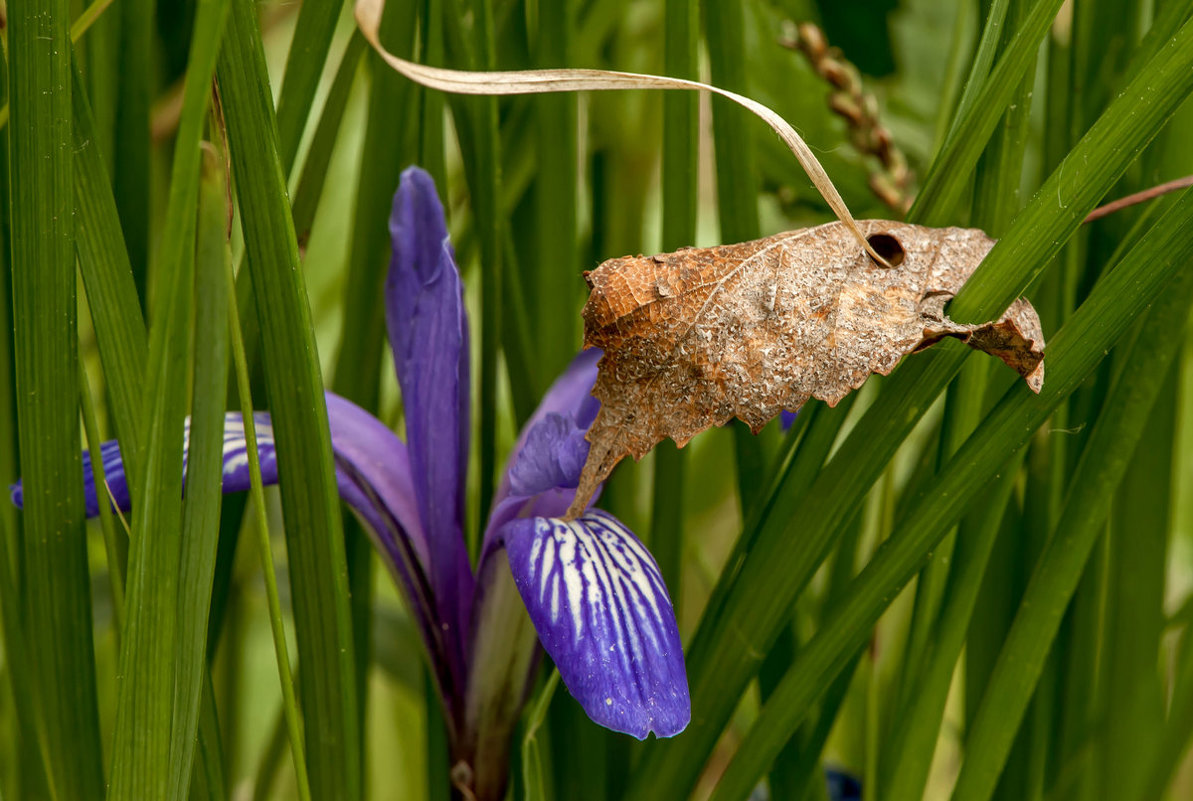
[949,586]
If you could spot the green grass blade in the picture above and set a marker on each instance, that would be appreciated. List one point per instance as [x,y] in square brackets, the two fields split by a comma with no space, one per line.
[757,592]
[515,344]
[1173,738]
[737,190]
[201,514]
[1121,133]
[487,211]
[271,755]
[553,280]
[108,281]
[1133,699]
[534,773]
[79,27]
[1055,578]
[680,124]
[479,132]
[996,201]
[28,763]
[914,736]
[290,710]
[304,67]
[1076,350]
[28,778]
[131,159]
[733,128]
[1099,33]
[432,154]
[680,193]
[58,603]
[314,533]
[314,169]
[993,40]
[947,177]
[9,455]
[393,106]
[207,777]
[804,774]
[148,658]
[115,539]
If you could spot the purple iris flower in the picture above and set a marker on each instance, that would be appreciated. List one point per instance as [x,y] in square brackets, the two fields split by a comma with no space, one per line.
[587,589]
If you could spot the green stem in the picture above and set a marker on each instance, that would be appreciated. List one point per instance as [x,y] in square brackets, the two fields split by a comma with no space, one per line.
[265,548]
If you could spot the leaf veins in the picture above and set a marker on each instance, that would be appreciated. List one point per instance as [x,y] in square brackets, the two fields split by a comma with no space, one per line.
[694,338]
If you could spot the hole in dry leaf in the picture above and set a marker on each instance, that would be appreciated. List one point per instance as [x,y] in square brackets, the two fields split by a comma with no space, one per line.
[888,247]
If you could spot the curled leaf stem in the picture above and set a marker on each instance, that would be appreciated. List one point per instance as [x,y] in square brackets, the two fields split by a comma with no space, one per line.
[526,82]
[1142,196]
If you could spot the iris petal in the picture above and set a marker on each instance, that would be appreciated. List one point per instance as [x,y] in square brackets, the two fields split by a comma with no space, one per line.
[428,329]
[595,595]
[235,465]
[553,455]
[540,478]
[372,472]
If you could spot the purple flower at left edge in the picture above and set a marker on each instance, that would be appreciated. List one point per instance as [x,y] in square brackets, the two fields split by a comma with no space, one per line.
[587,590]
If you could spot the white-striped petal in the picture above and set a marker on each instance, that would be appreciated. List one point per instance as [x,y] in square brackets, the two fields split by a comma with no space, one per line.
[597,599]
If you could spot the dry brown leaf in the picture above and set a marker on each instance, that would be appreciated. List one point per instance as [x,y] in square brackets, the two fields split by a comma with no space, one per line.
[697,337]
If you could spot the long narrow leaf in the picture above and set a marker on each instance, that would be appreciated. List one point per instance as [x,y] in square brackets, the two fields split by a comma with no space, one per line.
[1055,578]
[57,598]
[680,191]
[290,711]
[148,656]
[1077,349]
[131,159]
[304,67]
[783,557]
[201,514]
[310,507]
[108,281]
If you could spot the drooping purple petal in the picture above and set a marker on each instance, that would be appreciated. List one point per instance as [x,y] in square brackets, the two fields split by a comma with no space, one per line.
[235,465]
[114,478]
[595,595]
[428,329]
[787,419]
[372,472]
[373,476]
[374,479]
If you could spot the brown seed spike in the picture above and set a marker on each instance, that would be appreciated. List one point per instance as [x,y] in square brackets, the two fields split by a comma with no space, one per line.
[697,337]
